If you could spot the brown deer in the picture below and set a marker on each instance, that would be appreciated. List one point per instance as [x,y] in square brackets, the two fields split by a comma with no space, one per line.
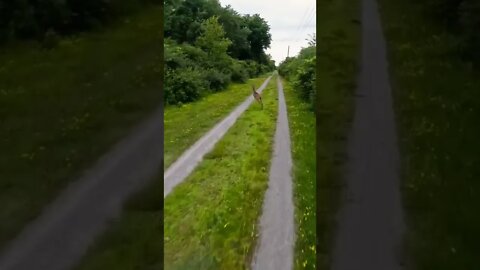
[257,96]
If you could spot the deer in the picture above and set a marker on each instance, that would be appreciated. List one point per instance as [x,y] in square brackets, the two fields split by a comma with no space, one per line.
[257,96]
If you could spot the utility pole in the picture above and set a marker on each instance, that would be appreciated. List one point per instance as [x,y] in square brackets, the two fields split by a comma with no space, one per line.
[288,50]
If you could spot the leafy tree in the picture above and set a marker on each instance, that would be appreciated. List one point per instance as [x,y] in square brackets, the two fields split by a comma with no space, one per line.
[259,37]
[213,40]
[183,18]
[236,31]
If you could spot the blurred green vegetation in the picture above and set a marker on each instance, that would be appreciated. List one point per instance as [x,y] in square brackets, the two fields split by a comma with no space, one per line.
[60,109]
[438,107]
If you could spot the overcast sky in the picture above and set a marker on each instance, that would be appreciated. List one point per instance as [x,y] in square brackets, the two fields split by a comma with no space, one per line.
[291,21]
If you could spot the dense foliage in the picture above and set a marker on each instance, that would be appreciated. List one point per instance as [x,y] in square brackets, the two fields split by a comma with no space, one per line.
[42,19]
[460,17]
[300,71]
[207,46]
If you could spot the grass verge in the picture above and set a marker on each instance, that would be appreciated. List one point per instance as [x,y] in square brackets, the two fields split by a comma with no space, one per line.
[186,124]
[211,219]
[61,109]
[438,107]
[337,56]
[301,120]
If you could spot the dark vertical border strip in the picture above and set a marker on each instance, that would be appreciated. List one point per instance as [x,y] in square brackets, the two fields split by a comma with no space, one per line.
[317,115]
[162,80]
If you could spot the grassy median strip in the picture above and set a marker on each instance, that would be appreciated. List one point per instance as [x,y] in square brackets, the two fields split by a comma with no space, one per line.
[211,219]
[61,109]
[186,124]
[438,110]
[338,50]
[301,120]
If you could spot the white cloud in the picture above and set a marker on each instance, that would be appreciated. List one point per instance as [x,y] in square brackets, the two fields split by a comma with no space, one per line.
[291,21]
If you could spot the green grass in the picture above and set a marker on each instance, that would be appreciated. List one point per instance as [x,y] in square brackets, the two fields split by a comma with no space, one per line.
[211,219]
[338,48]
[186,124]
[302,132]
[438,107]
[61,109]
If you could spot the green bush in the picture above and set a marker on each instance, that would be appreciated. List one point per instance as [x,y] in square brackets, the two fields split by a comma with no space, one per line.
[461,20]
[217,80]
[51,40]
[239,71]
[184,55]
[300,71]
[184,85]
[254,69]
[304,80]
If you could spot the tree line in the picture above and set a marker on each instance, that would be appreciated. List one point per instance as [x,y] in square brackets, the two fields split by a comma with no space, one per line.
[208,46]
[461,18]
[39,19]
[301,71]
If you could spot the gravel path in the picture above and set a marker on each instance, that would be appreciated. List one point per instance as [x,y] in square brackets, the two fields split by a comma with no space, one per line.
[60,236]
[186,163]
[371,223]
[277,232]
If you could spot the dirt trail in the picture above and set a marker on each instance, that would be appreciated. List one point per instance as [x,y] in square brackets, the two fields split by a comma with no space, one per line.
[60,236]
[371,222]
[277,232]
[187,162]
